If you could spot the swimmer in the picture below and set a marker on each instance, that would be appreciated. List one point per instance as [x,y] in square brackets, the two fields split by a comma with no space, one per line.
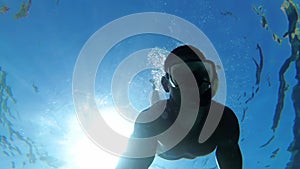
[224,140]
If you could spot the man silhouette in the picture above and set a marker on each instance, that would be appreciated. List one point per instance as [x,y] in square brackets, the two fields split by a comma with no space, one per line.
[194,94]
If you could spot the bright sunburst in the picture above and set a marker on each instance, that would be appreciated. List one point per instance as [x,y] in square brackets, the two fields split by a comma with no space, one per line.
[82,153]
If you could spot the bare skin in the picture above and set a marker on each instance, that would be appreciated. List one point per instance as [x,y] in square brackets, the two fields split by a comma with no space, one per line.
[224,141]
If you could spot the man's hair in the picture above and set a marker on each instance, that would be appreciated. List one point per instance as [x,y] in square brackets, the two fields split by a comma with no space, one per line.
[186,53]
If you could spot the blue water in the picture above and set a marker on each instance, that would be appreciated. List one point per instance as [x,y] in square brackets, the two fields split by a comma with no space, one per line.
[39,53]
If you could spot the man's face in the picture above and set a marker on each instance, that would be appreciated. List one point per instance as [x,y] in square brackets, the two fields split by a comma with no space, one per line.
[188,81]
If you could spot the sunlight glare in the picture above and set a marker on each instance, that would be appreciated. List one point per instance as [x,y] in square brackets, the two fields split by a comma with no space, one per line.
[83,153]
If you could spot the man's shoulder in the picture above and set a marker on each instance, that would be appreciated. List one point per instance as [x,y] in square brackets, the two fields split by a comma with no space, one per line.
[150,122]
[221,106]
[228,116]
[228,128]
[157,105]
[153,112]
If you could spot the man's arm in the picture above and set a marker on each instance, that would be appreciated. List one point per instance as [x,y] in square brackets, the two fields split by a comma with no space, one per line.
[140,131]
[228,152]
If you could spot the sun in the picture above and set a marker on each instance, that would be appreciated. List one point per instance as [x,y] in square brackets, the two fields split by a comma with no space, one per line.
[86,155]
[82,153]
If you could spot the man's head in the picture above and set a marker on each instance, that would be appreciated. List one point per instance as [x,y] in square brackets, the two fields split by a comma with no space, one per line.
[186,53]
[185,62]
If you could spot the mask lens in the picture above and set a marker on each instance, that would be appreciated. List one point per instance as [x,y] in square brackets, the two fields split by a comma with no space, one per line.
[202,72]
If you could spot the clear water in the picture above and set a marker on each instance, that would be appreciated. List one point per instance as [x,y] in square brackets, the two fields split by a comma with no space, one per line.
[41,44]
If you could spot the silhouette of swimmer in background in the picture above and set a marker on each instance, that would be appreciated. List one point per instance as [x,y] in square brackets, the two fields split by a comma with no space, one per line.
[224,138]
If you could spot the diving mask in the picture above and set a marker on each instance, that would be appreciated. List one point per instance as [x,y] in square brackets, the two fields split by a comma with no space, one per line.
[203,72]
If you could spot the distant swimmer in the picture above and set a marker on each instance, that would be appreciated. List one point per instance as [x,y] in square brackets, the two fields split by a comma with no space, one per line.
[35,88]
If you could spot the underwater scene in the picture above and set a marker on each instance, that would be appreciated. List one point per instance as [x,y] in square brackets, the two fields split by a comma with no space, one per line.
[65,64]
